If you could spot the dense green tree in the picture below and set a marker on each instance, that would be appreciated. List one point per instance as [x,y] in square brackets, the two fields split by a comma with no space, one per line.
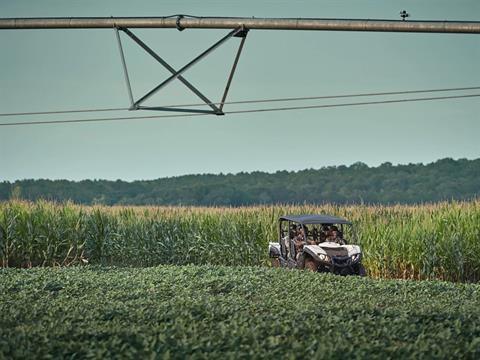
[445,179]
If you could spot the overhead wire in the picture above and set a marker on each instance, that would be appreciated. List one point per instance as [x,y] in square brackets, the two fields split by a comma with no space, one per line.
[354,104]
[62,111]
[406,92]
[303,98]
[101,119]
[244,111]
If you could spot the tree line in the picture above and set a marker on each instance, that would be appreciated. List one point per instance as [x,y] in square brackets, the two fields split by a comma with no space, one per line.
[445,179]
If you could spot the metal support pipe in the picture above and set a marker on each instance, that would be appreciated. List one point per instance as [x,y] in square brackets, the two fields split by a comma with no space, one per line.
[125,71]
[186,22]
[234,67]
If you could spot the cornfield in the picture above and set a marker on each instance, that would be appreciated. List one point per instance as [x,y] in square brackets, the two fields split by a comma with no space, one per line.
[432,241]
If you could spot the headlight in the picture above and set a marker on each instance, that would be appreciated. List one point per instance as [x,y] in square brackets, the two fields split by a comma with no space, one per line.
[324,257]
[355,257]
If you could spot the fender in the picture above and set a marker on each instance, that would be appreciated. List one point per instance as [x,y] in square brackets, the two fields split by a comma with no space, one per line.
[352,249]
[314,251]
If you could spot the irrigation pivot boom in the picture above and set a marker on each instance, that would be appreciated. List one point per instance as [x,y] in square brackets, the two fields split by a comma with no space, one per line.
[192,22]
[238,27]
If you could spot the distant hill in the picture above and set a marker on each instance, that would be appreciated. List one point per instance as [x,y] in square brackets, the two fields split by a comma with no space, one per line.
[445,179]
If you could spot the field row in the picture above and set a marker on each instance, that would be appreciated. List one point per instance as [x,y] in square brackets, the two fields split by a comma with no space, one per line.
[439,241]
[231,312]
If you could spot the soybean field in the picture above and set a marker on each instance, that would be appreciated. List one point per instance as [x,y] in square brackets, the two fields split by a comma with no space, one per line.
[218,312]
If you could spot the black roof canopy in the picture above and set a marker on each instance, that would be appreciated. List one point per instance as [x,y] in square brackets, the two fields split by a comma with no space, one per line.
[315,219]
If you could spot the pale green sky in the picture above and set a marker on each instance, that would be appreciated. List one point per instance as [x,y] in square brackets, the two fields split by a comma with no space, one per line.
[65,69]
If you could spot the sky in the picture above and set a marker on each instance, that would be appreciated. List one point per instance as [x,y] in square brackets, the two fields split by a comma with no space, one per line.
[81,69]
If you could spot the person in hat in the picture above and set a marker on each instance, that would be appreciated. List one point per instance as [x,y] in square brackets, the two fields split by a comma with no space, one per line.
[325,234]
[299,240]
[337,235]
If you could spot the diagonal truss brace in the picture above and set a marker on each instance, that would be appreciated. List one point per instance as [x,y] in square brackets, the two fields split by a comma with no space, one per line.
[176,74]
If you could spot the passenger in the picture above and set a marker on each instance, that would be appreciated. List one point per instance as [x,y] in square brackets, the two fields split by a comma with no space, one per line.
[337,236]
[293,231]
[311,237]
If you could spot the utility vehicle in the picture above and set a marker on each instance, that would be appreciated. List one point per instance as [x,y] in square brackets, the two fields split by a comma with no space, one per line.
[320,243]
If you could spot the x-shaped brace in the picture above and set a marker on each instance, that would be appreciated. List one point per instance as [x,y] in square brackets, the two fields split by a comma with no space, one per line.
[177,74]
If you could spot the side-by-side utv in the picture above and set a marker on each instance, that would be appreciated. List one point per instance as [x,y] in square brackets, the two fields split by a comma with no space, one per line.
[320,243]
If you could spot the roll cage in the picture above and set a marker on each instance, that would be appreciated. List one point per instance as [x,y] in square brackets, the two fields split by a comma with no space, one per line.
[312,226]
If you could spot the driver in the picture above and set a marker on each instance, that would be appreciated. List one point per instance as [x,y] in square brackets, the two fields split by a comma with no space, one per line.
[325,234]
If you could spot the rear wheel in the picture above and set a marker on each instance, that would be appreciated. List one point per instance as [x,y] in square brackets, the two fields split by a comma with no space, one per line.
[275,262]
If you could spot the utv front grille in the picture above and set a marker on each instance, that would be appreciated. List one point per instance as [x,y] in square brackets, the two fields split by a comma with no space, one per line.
[341,261]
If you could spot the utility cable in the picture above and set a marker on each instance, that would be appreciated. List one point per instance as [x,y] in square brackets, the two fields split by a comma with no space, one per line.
[406,92]
[100,119]
[62,111]
[253,101]
[243,111]
[353,104]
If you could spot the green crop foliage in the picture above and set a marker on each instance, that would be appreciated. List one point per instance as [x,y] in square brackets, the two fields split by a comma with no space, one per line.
[210,312]
[437,241]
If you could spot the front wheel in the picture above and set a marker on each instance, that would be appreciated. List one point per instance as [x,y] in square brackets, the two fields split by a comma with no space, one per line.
[310,264]
[361,270]
[305,262]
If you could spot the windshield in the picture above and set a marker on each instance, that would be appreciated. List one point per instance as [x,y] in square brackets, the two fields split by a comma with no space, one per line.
[318,233]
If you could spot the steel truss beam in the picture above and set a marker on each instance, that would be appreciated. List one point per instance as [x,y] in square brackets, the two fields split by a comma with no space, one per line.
[177,74]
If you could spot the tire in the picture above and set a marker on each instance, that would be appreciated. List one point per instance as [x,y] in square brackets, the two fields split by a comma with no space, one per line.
[361,270]
[275,262]
[310,264]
